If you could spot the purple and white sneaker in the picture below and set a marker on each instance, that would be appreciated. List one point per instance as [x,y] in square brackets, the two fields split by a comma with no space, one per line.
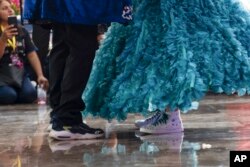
[168,123]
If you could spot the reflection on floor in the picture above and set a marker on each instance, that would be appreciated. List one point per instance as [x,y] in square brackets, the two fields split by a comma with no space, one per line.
[219,125]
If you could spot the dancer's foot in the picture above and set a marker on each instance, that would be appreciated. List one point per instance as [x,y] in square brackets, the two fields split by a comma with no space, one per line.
[150,120]
[168,123]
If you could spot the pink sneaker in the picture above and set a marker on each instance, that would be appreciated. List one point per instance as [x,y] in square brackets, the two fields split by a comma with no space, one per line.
[169,123]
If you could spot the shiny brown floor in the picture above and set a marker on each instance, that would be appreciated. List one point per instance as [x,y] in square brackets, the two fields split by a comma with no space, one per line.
[219,125]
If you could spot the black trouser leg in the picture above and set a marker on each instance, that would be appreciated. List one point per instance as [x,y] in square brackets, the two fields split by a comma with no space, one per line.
[57,59]
[68,83]
[41,38]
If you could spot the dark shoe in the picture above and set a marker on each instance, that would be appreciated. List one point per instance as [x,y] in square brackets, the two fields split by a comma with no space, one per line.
[76,132]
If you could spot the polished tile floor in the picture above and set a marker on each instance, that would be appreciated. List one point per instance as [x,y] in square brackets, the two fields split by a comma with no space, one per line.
[219,125]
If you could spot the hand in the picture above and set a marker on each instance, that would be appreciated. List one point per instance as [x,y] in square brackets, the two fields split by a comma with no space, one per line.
[9,32]
[43,82]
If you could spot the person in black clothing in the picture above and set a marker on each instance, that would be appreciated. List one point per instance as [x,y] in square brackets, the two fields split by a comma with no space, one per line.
[75,30]
[70,61]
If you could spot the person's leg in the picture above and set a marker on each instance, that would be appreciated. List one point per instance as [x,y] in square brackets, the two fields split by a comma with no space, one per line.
[82,43]
[41,38]
[8,95]
[57,61]
[27,93]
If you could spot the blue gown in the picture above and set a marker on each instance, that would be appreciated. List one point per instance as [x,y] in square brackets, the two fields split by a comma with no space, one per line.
[172,53]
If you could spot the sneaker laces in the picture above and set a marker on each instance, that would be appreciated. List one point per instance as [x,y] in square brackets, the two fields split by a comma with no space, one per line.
[162,120]
[155,117]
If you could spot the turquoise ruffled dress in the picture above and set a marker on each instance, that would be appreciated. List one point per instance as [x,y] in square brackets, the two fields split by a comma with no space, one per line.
[170,55]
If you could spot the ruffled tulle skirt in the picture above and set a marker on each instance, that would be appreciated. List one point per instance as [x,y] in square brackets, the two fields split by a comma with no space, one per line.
[172,53]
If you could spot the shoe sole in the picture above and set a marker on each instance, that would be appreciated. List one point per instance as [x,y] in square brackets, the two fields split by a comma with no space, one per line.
[161,131]
[64,135]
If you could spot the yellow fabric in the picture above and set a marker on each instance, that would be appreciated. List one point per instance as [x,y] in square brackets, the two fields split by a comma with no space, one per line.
[11,42]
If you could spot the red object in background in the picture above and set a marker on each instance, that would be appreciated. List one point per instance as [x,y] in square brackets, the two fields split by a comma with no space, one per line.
[16,2]
[16,6]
